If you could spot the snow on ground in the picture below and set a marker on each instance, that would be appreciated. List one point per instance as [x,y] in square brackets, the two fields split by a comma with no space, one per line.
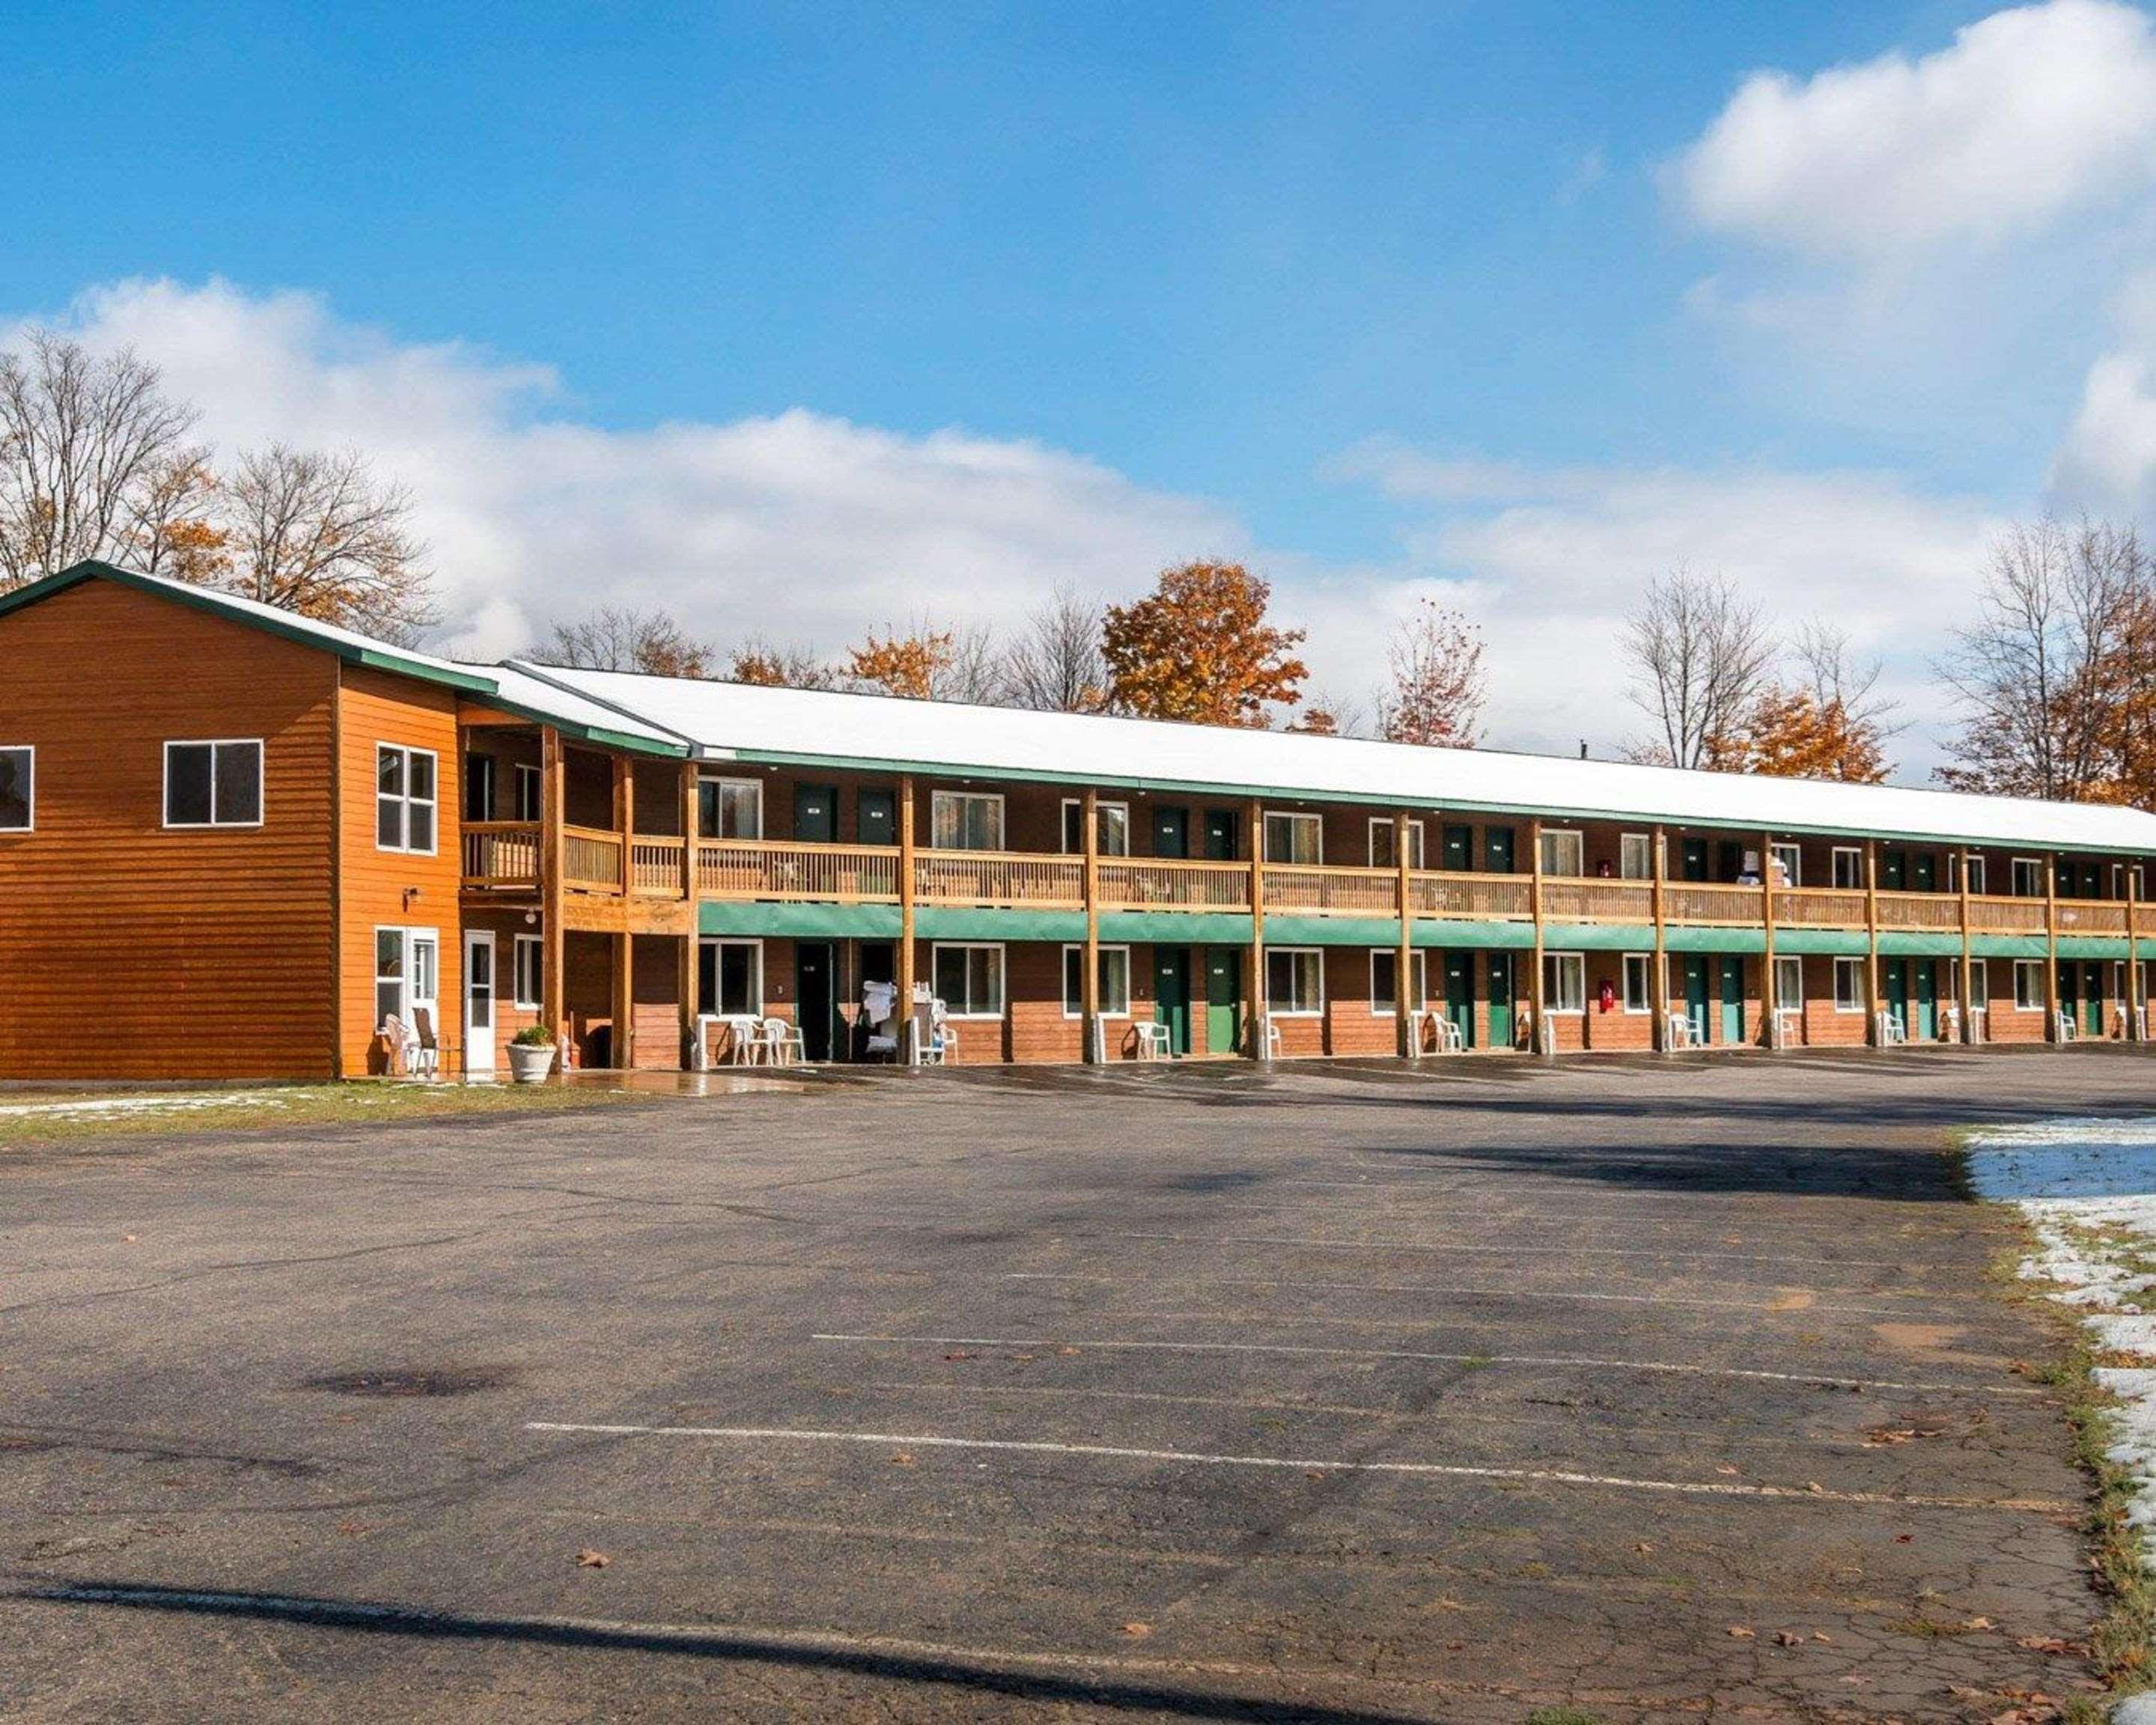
[2088,1187]
[91,1107]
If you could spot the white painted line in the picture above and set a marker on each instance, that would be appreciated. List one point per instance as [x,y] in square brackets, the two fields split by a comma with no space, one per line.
[1441,1470]
[1506,1251]
[1816,1379]
[1379,1287]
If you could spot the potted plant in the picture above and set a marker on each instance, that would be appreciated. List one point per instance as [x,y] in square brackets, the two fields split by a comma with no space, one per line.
[532,1054]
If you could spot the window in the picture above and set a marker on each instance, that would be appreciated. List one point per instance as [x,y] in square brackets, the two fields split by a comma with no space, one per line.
[1382,854]
[1114,983]
[1295,838]
[1791,857]
[403,798]
[1295,980]
[2029,985]
[406,973]
[526,977]
[1384,967]
[729,808]
[1974,866]
[1788,984]
[1849,985]
[1638,992]
[1849,868]
[479,787]
[1565,981]
[18,776]
[969,980]
[730,978]
[966,820]
[214,785]
[1563,853]
[1635,856]
[1111,822]
[529,784]
[1979,984]
[2028,877]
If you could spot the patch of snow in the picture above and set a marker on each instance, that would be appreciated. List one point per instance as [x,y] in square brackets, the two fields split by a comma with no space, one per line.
[93,1107]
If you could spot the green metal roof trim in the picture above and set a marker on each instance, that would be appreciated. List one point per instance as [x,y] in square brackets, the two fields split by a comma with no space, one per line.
[1815,942]
[1332,930]
[1176,928]
[965,922]
[1597,937]
[1918,943]
[1714,940]
[2091,946]
[799,921]
[1439,933]
[2009,946]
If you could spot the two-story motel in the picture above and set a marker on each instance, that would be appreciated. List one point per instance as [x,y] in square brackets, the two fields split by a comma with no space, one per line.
[233,842]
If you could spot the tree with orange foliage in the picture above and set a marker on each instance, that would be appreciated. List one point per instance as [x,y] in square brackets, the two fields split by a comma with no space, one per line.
[1438,685]
[1198,648]
[768,666]
[1790,733]
[906,666]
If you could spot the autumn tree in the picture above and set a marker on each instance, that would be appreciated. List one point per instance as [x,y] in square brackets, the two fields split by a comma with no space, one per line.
[1437,685]
[1315,721]
[623,638]
[1789,732]
[1056,664]
[922,662]
[1199,647]
[176,522]
[1701,658]
[318,534]
[769,665]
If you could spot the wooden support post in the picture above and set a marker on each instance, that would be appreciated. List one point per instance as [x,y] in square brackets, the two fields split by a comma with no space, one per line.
[553,943]
[1088,984]
[623,1053]
[1658,992]
[1538,1007]
[1872,1007]
[2136,1030]
[2051,946]
[1770,998]
[1968,980]
[1405,995]
[908,1051]
[1260,1032]
[685,985]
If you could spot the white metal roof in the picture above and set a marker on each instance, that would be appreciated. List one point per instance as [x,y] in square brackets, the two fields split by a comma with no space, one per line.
[745,721]
[521,690]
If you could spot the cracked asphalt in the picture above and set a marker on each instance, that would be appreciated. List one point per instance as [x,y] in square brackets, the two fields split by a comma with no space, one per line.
[1348,1393]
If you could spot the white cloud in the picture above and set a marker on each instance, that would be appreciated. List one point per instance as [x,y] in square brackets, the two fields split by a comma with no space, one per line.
[798,525]
[2030,116]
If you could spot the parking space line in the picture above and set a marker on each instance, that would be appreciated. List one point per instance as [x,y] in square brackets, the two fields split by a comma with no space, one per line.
[1819,1380]
[1797,1300]
[1504,1251]
[1439,1470]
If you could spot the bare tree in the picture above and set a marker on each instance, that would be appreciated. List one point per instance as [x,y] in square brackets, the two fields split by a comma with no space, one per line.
[81,440]
[1056,665]
[979,669]
[318,534]
[176,521]
[1701,657]
[2037,674]
[770,665]
[621,639]
[1438,682]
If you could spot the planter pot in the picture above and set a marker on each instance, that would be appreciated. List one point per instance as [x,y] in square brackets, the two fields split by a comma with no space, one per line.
[528,1064]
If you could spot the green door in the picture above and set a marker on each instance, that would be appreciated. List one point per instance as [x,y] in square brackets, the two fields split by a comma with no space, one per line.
[1460,993]
[2092,1000]
[1693,864]
[1223,1000]
[1694,982]
[1896,973]
[1171,994]
[1497,859]
[1732,999]
[1171,831]
[1501,1000]
[878,811]
[816,814]
[1220,835]
[1893,869]
[2070,977]
[1924,871]
[1926,1028]
[1459,849]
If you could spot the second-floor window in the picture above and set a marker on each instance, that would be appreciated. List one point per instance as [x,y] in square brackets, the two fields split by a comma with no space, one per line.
[1849,868]
[1382,855]
[1294,838]
[2028,877]
[214,785]
[18,779]
[1112,819]
[1635,856]
[403,798]
[966,820]
[531,786]
[1564,853]
[729,808]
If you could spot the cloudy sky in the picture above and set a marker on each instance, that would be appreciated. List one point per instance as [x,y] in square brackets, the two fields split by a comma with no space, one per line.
[796,320]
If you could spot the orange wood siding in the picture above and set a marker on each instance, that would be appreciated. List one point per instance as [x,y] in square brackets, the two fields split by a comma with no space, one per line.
[127,950]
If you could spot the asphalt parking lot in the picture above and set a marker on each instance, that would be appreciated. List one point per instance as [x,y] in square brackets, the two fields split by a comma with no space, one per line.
[1347,1392]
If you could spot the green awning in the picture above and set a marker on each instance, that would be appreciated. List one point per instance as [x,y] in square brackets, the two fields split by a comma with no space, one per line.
[1715,939]
[801,922]
[1596,937]
[2091,946]
[1835,942]
[1918,943]
[1173,928]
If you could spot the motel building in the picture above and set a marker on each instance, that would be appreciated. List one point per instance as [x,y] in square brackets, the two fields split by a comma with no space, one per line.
[238,844]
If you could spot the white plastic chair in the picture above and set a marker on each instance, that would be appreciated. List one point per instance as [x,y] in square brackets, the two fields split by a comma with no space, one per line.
[2068,1029]
[1680,1032]
[779,1044]
[1152,1042]
[1893,1033]
[423,1056]
[1448,1038]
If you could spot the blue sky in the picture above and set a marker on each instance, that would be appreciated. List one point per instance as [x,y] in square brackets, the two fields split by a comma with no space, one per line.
[1262,280]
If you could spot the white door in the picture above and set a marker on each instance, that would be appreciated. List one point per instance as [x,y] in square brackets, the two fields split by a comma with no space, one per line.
[478,1004]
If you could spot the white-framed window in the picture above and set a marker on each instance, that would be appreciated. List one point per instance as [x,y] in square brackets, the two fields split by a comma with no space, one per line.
[1294,981]
[1635,856]
[1849,984]
[1294,837]
[1979,984]
[18,789]
[526,977]
[2029,985]
[530,790]
[1114,983]
[1382,854]
[1788,984]
[2028,877]
[407,969]
[214,785]
[1564,982]
[969,979]
[1791,857]
[730,978]
[730,809]
[1384,967]
[405,791]
[1849,868]
[479,786]
[1639,982]
[1112,821]
[1564,851]
[966,820]
[2123,878]
[1969,863]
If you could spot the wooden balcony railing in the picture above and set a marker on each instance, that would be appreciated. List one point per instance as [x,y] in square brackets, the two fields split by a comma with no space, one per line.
[1369,893]
[1939,912]
[501,854]
[1170,883]
[2083,916]
[1820,907]
[655,866]
[2006,916]
[1478,897]
[999,878]
[751,868]
[1695,901]
[591,860]
[1567,900]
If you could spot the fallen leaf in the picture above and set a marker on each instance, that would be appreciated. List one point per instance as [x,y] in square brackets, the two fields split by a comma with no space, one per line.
[958,1356]
[1903,1538]
[901,1458]
[1138,1630]
[1725,1469]
[1822,1635]
[1645,1545]
[1786,1638]
[1813,1486]
[589,1559]
[1742,1632]
[1066,1350]
[2047,1644]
